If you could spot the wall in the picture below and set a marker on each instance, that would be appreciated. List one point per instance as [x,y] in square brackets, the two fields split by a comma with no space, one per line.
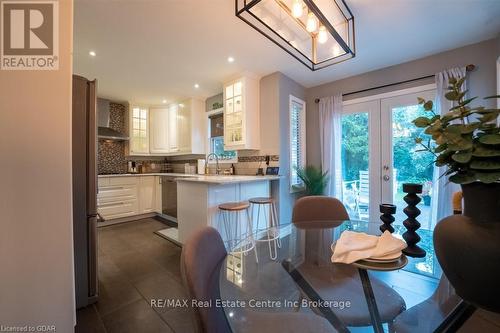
[275,90]
[481,82]
[36,245]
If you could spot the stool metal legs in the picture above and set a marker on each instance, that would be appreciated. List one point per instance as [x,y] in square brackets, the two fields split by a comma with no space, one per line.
[239,238]
[270,230]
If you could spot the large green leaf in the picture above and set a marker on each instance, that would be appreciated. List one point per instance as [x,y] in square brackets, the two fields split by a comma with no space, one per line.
[490,139]
[482,151]
[428,105]
[485,165]
[487,117]
[441,148]
[422,122]
[452,95]
[488,177]
[462,157]
[462,178]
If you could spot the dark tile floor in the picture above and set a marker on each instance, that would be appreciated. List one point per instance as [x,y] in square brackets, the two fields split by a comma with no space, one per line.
[136,266]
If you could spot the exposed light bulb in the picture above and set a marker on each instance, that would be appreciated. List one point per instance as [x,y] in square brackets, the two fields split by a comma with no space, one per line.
[230,59]
[322,35]
[92,53]
[312,23]
[297,8]
[196,85]
[164,101]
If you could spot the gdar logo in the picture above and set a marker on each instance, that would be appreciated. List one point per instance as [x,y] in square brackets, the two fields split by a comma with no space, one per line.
[29,35]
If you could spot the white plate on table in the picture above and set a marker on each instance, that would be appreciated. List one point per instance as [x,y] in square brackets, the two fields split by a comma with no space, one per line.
[385,259]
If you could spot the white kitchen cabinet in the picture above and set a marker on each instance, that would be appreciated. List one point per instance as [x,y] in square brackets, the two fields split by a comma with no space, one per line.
[128,196]
[118,197]
[159,131]
[138,130]
[242,113]
[173,131]
[147,194]
[177,129]
[192,127]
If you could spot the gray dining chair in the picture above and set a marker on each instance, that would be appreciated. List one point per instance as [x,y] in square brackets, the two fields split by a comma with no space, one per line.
[201,259]
[339,281]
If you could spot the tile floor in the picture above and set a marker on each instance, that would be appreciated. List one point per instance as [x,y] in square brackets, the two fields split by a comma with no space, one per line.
[135,266]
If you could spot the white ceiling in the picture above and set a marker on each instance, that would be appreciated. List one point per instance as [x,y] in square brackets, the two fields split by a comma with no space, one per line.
[150,50]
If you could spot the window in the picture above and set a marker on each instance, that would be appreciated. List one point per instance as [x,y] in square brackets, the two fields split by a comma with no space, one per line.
[297,141]
[139,130]
[217,140]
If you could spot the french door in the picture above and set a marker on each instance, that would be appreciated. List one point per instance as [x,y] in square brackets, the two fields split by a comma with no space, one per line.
[379,154]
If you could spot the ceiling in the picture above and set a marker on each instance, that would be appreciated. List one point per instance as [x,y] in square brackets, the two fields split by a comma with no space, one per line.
[148,51]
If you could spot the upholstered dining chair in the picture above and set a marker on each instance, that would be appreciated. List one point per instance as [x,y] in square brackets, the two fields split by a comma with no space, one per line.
[201,259]
[340,281]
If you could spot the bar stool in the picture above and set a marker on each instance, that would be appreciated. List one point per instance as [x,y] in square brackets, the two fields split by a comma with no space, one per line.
[269,233]
[238,237]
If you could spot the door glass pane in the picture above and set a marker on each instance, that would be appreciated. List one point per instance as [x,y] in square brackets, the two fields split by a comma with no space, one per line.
[412,166]
[355,165]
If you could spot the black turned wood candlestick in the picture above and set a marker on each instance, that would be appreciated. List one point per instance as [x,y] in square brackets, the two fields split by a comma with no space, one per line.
[387,211]
[411,224]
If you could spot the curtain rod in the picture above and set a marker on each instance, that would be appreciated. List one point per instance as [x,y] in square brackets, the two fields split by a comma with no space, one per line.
[468,68]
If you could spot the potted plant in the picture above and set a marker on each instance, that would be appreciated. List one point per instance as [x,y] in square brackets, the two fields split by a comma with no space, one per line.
[314,180]
[466,140]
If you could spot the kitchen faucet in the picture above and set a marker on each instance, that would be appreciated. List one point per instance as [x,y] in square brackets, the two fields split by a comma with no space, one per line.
[217,169]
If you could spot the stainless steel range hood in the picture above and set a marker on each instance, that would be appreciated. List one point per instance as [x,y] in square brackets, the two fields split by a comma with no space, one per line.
[103,130]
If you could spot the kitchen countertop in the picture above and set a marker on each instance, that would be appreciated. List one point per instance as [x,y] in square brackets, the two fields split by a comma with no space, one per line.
[211,179]
[148,174]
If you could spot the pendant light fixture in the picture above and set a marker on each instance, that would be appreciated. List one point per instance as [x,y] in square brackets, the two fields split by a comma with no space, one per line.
[318,33]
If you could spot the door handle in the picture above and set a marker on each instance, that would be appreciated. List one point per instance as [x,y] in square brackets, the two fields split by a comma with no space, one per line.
[386,178]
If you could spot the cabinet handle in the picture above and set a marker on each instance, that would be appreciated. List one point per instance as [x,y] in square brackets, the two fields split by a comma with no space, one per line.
[112,204]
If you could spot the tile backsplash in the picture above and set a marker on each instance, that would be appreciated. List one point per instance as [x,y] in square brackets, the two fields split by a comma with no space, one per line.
[111,154]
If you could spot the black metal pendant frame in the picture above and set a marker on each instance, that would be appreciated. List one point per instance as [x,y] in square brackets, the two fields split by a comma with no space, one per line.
[243,11]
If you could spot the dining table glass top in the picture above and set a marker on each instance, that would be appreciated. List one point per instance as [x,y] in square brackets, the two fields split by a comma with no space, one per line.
[303,280]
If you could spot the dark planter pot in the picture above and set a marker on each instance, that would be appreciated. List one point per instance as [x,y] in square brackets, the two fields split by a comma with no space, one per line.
[468,246]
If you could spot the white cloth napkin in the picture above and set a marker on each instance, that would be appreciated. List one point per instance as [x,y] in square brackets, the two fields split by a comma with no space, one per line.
[353,246]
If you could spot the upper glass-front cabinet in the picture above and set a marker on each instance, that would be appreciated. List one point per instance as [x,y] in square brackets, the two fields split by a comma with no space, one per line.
[241,114]
[139,131]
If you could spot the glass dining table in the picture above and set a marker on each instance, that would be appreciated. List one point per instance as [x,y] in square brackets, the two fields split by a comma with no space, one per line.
[351,297]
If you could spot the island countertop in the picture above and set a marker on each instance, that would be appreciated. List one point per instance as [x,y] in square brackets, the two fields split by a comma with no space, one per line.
[217,179]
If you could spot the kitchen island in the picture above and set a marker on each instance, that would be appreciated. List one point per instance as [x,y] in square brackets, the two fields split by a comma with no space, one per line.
[199,197]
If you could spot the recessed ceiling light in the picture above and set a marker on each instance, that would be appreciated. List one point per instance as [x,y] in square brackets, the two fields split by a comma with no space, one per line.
[230,59]
[164,101]
[92,53]
[196,85]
